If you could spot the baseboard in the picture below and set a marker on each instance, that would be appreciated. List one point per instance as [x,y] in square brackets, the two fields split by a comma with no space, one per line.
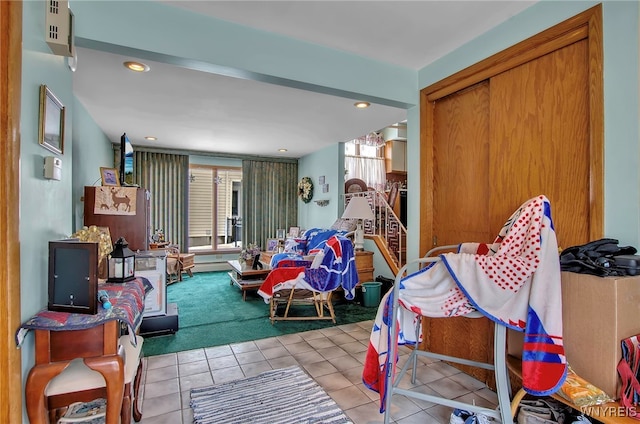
[211,266]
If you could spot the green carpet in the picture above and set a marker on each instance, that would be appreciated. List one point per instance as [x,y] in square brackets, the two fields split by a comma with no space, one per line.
[211,312]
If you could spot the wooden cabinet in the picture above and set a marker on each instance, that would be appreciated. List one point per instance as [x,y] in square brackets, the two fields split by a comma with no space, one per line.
[108,211]
[364,265]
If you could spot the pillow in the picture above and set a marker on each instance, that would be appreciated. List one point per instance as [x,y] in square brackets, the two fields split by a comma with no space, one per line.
[343,224]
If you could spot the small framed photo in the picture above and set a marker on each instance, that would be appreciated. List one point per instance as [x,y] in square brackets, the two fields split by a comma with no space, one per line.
[51,124]
[109,177]
[280,234]
[272,245]
[321,180]
[294,231]
[325,188]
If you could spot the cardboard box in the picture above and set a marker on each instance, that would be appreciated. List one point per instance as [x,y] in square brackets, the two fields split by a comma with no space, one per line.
[597,313]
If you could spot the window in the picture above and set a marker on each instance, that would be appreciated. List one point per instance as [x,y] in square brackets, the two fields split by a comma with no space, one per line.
[215,208]
[367,163]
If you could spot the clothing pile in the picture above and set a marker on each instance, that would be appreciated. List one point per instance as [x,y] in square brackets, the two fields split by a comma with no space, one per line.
[548,411]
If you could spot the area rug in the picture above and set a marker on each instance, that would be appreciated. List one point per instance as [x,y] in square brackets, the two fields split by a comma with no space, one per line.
[283,396]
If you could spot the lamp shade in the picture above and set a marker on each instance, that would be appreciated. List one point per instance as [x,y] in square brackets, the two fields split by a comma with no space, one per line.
[358,208]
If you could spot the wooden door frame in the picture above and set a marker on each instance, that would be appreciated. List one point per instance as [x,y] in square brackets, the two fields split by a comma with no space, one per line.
[10,93]
[586,25]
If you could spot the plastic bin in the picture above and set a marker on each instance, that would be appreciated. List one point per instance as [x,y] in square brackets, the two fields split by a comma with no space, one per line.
[371,294]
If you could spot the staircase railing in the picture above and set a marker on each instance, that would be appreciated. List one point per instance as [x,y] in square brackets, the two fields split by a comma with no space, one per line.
[386,224]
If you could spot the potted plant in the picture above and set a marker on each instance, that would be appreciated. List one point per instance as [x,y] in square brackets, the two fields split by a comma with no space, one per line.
[248,253]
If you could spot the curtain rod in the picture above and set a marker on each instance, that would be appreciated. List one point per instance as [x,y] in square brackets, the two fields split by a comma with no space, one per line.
[116,147]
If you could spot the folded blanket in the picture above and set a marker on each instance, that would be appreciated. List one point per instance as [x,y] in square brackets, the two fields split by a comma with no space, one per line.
[515,282]
[338,268]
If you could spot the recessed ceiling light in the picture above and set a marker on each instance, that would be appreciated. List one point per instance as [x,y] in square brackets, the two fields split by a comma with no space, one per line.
[362,105]
[136,66]
[282,150]
[151,138]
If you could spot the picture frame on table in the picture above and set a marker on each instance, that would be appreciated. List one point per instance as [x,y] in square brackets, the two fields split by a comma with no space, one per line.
[294,232]
[109,177]
[272,245]
[51,122]
[280,234]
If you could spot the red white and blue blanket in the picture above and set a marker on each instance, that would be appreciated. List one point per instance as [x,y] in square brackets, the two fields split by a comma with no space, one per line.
[515,282]
[127,300]
[338,268]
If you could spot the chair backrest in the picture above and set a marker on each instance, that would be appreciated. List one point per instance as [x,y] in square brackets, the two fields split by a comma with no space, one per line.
[355,185]
[393,195]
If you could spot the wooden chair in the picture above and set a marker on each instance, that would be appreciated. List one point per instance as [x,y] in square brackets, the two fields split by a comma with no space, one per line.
[79,383]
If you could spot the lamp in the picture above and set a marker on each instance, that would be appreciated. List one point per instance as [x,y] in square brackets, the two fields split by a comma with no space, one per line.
[122,263]
[358,208]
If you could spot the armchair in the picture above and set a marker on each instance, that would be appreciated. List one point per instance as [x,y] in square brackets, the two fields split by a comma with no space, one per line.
[300,282]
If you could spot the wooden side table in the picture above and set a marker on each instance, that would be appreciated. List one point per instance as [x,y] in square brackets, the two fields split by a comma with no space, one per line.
[61,337]
[364,265]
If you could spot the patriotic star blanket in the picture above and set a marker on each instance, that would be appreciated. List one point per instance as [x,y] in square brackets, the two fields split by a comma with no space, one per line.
[338,268]
[515,282]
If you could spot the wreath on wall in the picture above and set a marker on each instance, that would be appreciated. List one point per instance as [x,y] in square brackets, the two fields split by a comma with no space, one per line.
[305,189]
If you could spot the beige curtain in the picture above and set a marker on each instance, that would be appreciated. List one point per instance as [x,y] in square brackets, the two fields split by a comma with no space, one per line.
[269,198]
[165,175]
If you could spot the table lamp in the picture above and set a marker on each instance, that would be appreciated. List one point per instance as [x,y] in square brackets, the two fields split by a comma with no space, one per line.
[358,208]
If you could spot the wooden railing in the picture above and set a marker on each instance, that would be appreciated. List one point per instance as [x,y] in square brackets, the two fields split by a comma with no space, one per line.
[386,226]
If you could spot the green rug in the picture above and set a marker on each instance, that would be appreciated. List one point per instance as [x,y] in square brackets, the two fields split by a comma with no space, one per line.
[211,312]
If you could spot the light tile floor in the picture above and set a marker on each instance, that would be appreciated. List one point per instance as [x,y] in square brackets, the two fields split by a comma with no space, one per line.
[333,357]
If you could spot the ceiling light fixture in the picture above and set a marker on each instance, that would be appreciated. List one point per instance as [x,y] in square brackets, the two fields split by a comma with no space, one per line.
[372,139]
[136,66]
[151,138]
[282,150]
[362,105]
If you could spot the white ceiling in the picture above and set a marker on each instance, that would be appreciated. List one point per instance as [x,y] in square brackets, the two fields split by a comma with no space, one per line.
[199,111]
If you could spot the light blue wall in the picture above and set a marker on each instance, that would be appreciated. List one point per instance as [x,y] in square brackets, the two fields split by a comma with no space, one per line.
[91,150]
[621,89]
[322,163]
[47,207]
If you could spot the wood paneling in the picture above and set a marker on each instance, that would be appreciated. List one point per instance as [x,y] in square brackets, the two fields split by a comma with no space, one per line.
[10,92]
[540,140]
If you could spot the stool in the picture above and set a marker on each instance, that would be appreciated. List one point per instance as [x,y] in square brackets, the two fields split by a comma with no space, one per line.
[79,383]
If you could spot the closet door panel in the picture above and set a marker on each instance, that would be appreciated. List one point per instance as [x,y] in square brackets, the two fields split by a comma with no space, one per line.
[540,140]
[461,208]
[460,167]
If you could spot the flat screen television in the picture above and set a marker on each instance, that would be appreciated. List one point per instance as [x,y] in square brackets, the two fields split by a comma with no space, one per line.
[126,160]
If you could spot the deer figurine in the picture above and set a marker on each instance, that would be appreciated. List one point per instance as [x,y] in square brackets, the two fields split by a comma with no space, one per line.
[118,200]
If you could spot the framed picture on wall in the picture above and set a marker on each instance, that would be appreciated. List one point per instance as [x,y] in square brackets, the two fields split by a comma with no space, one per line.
[51,125]
[294,231]
[280,234]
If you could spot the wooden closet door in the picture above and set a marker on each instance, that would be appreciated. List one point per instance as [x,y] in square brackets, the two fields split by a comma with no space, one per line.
[461,208]
[496,144]
[540,140]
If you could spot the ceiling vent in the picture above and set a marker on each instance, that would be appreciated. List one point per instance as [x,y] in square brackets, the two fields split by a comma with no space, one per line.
[59,27]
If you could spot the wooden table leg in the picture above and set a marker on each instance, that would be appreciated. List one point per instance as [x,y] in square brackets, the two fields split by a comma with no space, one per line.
[112,369]
[37,381]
